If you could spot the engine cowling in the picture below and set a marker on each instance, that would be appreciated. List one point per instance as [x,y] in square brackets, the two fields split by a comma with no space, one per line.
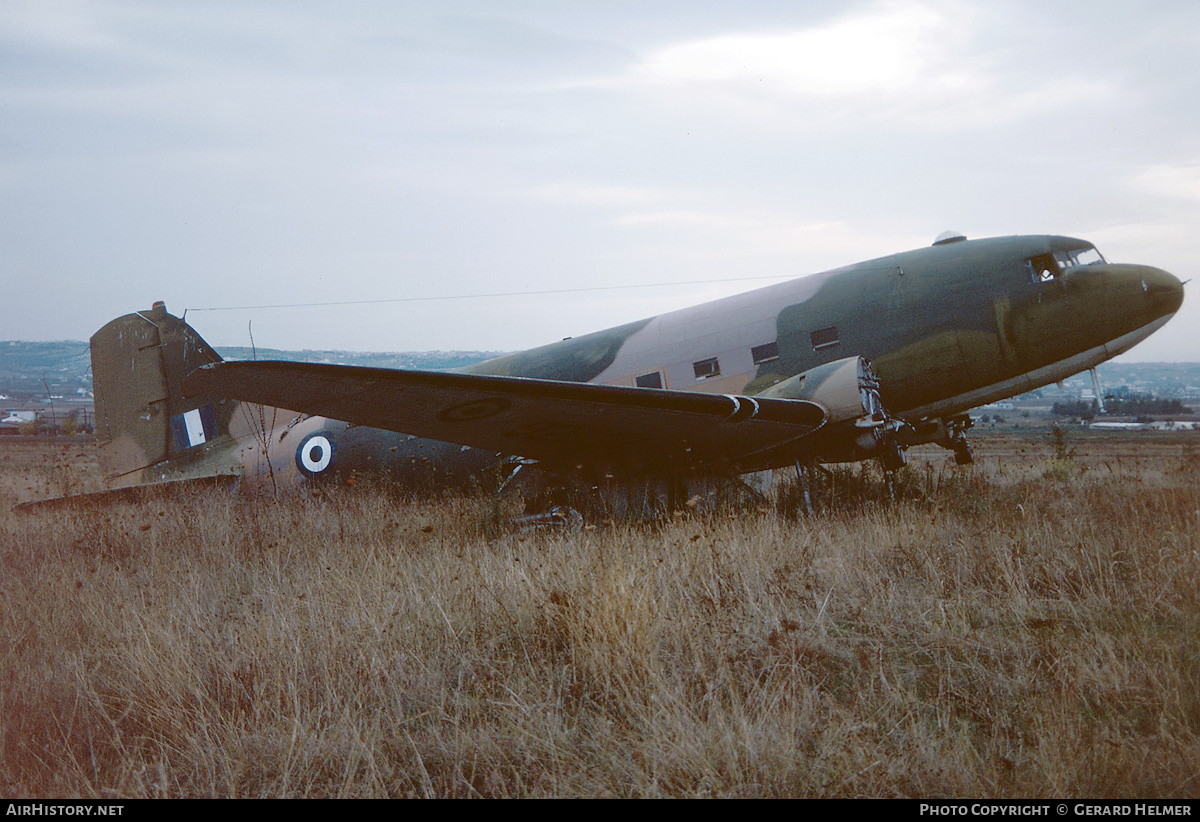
[847,388]
[857,426]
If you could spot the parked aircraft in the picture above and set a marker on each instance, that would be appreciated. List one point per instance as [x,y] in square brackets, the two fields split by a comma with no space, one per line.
[851,364]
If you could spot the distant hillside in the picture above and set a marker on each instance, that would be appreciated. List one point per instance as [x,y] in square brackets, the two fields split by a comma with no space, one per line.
[1178,380]
[31,367]
[424,360]
[27,369]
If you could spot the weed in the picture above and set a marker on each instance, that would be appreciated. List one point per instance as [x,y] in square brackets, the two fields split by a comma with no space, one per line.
[981,633]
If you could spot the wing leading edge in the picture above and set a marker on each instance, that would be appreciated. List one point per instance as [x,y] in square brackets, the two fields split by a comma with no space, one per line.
[565,426]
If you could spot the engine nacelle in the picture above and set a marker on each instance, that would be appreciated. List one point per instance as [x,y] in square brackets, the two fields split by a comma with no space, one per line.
[857,426]
[847,389]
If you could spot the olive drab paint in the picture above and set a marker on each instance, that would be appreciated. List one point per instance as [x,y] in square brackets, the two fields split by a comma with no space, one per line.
[855,363]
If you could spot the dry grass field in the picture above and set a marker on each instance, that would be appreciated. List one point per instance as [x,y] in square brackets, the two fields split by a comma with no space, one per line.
[1027,627]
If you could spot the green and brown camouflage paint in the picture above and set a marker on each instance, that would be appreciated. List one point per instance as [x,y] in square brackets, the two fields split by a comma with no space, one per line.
[946,327]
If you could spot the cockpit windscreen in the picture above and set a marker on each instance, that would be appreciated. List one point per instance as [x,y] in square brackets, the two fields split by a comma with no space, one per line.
[1045,267]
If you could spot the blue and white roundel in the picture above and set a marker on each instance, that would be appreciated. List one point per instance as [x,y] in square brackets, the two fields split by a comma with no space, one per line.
[315,454]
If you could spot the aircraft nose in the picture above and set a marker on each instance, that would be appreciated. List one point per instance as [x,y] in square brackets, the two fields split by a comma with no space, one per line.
[1163,290]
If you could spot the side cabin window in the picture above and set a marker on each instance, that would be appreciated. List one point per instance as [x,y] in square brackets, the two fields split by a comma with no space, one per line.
[651,380]
[768,352]
[1042,268]
[1045,267]
[825,338]
[707,369]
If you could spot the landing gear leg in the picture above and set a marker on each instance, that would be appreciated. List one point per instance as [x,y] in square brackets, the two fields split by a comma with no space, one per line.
[892,458]
[803,479]
[962,452]
[956,440]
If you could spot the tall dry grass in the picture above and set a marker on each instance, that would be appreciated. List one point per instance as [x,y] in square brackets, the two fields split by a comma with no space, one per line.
[1015,629]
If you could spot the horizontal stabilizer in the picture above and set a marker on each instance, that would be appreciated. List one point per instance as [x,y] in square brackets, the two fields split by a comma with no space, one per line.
[172,489]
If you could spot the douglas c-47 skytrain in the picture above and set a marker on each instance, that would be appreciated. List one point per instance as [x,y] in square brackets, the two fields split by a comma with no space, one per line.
[852,364]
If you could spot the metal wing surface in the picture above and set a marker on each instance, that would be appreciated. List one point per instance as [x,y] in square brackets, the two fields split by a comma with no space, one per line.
[562,425]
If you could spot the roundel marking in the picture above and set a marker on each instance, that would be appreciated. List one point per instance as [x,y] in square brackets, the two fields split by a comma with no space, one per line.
[474,410]
[315,454]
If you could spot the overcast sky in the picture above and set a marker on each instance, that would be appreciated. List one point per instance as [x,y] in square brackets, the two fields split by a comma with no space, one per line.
[216,154]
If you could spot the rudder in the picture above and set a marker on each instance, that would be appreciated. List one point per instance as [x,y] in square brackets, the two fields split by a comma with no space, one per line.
[146,431]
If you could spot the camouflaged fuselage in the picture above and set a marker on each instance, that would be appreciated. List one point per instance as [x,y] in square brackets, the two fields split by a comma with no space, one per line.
[946,328]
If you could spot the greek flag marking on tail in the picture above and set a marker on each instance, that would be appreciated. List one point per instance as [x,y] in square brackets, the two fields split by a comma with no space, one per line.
[194,427]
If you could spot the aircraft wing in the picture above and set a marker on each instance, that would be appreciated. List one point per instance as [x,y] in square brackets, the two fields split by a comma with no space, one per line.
[563,425]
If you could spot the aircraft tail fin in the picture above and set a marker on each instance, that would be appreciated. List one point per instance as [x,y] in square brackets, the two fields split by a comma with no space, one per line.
[145,429]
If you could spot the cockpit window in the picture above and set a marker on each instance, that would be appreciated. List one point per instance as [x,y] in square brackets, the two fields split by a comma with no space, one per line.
[1078,258]
[1045,267]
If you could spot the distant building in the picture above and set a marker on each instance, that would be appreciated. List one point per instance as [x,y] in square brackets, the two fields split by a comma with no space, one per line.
[14,419]
[1157,425]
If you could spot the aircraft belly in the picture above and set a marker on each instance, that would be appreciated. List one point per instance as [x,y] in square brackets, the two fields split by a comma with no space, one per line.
[320,449]
[1053,321]
[1036,378]
[934,366]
